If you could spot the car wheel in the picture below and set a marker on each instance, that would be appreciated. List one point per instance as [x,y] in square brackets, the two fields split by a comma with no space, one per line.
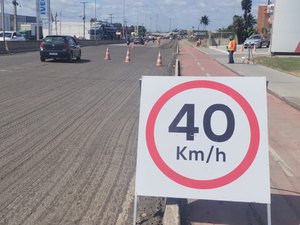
[78,57]
[70,57]
[42,59]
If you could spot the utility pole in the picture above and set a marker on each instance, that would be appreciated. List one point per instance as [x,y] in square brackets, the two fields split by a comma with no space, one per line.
[48,16]
[3,17]
[15,4]
[83,18]
[95,22]
[111,17]
[123,35]
[55,19]
[38,18]
[95,9]
[59,22]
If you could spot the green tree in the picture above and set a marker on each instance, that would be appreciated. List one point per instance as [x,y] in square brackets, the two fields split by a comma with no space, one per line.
[226,29]
[249,21]
[142,30]
[238,27]
[204,21]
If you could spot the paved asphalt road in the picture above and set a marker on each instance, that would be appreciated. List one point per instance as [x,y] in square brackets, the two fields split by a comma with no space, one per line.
[68,137]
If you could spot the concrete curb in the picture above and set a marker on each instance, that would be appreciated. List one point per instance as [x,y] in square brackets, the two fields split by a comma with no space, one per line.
[172,211]
[171,215]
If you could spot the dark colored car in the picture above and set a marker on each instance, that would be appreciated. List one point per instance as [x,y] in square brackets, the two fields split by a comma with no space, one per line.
[138,41]
[59,47]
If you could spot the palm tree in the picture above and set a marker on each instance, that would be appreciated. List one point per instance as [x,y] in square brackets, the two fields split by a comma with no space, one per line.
[248,17]
[204,21]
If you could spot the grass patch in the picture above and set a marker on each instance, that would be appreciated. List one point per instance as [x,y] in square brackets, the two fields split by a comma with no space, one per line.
[286,64]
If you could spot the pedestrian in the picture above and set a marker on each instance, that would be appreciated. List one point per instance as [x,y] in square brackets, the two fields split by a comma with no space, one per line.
[231,48]
[128,40]
[158,40]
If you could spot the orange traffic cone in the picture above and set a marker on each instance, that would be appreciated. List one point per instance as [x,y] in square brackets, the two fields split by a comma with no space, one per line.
[107,55]
[132,45]
[159,60]
[254,48]
[127,59]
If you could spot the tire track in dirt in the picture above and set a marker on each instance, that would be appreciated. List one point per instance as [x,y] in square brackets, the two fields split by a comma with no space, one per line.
[65,123]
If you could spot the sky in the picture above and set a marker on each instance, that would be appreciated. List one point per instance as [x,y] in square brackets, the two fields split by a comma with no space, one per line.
[155,15]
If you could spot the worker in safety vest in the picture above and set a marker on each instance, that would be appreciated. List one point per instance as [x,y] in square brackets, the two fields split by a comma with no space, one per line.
[231,48]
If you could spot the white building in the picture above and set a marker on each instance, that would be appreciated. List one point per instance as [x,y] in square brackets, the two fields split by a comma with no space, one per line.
[69,28]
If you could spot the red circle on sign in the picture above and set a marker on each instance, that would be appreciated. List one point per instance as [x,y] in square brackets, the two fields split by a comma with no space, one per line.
[212,183]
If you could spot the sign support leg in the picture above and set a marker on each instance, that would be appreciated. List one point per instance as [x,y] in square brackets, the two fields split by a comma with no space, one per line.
[269,213]
[135,209]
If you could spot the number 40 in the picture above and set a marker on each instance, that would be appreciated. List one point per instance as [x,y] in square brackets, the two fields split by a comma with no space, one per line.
[190,129]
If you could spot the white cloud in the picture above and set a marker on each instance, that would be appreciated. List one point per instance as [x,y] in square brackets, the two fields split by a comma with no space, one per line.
[157,13]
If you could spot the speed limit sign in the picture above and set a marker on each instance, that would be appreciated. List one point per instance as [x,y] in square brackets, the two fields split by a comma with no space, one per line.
[203,138]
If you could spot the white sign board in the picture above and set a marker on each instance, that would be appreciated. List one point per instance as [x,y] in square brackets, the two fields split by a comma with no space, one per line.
[286,29]
[203,138]
[43,10]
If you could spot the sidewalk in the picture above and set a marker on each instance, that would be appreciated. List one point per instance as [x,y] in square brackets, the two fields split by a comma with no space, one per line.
[282,85]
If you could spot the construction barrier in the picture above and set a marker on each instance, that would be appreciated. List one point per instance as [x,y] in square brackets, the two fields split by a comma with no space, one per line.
[159,59]
[107,55]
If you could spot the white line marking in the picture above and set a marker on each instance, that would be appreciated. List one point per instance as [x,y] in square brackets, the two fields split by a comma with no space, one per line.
[286,169]
[127,203]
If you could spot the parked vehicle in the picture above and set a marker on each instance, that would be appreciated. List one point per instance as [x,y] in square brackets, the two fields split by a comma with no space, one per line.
[258,40]
[60,47]
[12,36]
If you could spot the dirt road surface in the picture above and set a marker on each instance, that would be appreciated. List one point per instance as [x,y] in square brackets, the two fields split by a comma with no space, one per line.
[68,137]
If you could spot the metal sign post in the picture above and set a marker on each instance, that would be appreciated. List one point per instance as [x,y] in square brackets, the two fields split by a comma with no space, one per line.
[269,213]
[135,209]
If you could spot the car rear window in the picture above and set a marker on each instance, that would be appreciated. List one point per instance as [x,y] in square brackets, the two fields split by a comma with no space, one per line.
[56,40]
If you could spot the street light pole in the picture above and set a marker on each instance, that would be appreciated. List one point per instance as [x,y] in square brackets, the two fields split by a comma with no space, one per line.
[3,17]
[15,4]
[123,18]
[95,22]
[137,21]
[83,18]
[48,16]
[95,9]
[38,18]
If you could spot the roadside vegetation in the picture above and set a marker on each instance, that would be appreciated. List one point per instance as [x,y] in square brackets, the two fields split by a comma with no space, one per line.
[286,64]
[242,26]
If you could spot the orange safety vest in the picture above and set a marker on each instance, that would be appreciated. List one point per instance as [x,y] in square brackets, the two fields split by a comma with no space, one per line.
[232,45]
